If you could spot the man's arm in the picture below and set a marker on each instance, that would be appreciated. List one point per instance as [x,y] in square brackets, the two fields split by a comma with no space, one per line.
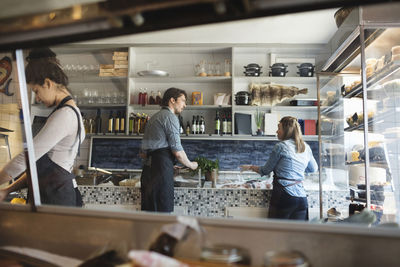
[182,158]
[18,184]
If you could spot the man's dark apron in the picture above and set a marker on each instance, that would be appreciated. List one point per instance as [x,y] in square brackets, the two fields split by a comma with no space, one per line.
[157,181]
[282,205]
[55,183]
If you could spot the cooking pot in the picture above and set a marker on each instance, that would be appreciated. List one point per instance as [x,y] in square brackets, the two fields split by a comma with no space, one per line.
[242,98]
[253,66]
[278,70]
[252,73]
[306,70]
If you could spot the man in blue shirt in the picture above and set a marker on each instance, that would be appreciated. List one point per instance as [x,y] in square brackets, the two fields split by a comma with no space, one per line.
[161,145]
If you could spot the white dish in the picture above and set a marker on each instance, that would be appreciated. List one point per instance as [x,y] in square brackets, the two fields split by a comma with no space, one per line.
[158,73]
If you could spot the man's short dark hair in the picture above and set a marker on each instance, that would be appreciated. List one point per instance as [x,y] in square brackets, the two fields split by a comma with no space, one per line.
[172,93]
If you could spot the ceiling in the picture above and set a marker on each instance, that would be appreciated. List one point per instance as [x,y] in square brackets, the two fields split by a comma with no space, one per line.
[314,27]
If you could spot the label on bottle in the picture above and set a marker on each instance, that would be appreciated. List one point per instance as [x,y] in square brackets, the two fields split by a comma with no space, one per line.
[116,125]
[110,125]
[224,126]
[194,128]
[131,125]
[217,125]
[202,128]
[229,127]
[197,128]
[122,125]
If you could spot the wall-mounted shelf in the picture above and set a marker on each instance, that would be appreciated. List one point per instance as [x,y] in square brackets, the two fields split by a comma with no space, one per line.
[188,79]
[188,107]
[278,80]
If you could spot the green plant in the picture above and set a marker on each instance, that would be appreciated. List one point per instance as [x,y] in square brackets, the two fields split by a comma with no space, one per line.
[205,165]
[259,117]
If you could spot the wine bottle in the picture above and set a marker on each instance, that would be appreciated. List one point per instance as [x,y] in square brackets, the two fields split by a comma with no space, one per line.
[194,125]
[229,123]
[197,124]
[110,122]
[187,128]
[158,98]
[131,123]
[152,99]
[217,123]
[98,122]
[202,125]
[122,123]
[116,122]
[224,124]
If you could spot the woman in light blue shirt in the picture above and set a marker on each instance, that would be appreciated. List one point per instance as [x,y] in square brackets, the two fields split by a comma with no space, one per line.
[289,160]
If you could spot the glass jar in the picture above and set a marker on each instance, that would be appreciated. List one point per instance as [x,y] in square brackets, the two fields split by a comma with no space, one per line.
[285,259]
[225,254]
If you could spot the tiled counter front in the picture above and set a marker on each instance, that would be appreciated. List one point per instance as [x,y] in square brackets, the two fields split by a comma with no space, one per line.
[203,202]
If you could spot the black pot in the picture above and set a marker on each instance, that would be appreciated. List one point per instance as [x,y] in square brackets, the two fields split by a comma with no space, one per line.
[253,66]
[252,73]
[242,98]
[278,72]
[306,72]
[278,65]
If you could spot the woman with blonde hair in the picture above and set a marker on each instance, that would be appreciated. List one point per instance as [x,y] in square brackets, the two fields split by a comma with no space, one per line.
[289,160]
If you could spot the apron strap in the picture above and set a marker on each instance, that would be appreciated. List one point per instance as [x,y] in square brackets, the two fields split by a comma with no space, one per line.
[276,178]
[62,104]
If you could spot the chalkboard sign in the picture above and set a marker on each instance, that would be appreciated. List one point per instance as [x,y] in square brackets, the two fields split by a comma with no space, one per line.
[123,154]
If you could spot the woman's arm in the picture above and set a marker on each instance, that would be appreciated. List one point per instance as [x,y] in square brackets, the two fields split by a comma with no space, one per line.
[18,184]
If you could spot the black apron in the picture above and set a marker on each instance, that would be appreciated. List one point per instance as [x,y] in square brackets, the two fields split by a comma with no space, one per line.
[55,183]
[157,181]
[284,206]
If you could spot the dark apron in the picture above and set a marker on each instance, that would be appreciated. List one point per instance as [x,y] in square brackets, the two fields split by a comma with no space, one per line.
[284,206]
[55,183]
[157,181]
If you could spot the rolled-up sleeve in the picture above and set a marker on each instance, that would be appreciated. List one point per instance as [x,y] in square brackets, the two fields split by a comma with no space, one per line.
[172,133]
[272,160]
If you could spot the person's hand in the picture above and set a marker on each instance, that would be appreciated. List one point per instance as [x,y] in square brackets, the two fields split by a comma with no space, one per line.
[245,168]
[3,194]
[194,165]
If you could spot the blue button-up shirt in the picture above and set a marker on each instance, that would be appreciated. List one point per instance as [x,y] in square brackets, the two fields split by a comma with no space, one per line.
[287,163]
[162,130]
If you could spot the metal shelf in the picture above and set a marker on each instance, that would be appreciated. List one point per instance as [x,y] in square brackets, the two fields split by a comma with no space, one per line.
[279,80]
[386,71]
[188,107]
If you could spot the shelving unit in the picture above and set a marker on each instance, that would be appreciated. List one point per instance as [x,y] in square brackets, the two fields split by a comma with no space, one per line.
[369,138]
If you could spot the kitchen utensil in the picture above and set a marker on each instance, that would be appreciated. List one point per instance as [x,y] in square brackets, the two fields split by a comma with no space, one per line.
[306,70]
[278,70]
[253,66]
[242,98]
[159,73]
[252,73]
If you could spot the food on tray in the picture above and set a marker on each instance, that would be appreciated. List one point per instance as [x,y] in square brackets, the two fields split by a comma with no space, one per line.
[257,184]
[357,119]
[271,94]
[396,52]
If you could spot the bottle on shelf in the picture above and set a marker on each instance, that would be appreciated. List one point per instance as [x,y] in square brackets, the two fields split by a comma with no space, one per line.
[116,122]
[98,122]
[229,123]
[122,123]
[140,98]
[194,125]
[152,99]
[197,124]
[144,97]
[217,123]
[136,128]
[187,128]
[181,131]
[224,124]
[158,98]
[131,123]
[202,125]
[110,127]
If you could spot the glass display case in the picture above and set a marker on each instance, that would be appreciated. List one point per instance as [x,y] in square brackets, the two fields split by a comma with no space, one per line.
[359,120]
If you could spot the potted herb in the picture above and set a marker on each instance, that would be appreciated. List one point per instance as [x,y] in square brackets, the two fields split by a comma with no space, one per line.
[207,167]
[259,118]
